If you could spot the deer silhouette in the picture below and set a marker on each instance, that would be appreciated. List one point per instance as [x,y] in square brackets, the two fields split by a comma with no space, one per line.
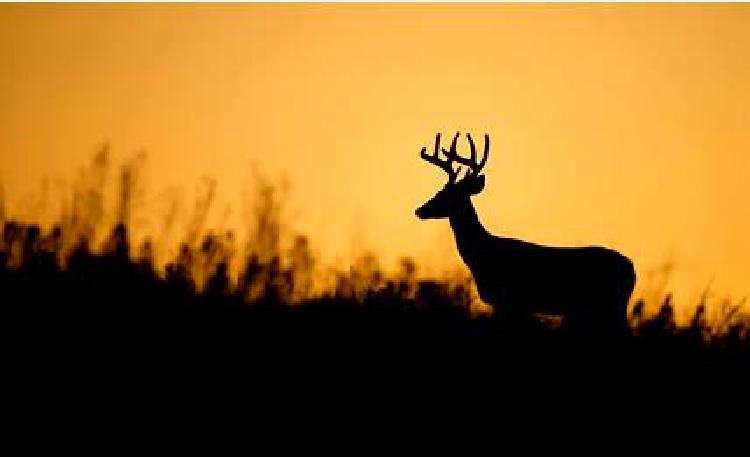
[589,287]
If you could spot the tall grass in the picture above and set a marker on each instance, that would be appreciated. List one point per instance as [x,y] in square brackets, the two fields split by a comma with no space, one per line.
[89,253]
[274,262]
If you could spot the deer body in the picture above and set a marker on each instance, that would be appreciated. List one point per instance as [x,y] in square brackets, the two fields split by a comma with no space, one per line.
[588,286]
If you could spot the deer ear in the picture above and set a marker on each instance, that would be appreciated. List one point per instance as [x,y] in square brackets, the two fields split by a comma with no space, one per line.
[476,185]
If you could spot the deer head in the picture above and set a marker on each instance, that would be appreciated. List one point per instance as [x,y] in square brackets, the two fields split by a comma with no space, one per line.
[455,191]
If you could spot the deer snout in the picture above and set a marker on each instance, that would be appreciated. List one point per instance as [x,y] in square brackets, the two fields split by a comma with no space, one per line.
[424,211]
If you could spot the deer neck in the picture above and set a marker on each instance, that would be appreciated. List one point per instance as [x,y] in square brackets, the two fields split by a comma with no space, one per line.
[468,231]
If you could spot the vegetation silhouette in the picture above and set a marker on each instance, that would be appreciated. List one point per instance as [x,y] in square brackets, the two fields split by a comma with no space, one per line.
[67,293]
[588,286]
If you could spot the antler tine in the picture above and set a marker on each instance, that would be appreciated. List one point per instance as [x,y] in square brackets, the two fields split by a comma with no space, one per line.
[473,148]
[451,153]
[474,167]
[486,150]
[445,165]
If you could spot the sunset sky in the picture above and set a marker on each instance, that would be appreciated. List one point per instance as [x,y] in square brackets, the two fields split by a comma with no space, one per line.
[619,125]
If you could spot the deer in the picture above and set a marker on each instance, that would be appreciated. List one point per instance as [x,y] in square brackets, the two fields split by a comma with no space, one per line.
[587,287]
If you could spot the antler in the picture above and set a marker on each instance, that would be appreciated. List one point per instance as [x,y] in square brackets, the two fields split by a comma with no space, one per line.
[474,167]
[446,165]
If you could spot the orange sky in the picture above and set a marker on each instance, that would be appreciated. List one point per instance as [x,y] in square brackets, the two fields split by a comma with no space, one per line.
[621,125]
